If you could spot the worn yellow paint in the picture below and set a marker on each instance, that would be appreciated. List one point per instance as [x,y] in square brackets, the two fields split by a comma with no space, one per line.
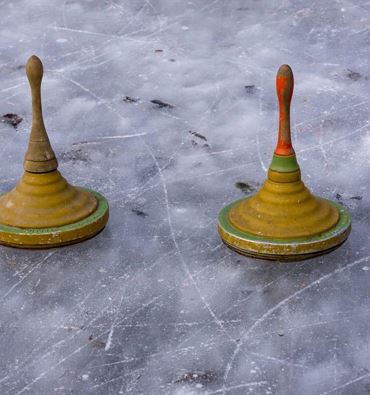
[284,210]
[284,221]
[44,210]
[287,249]
[283,252]
[60,235]
[45,200]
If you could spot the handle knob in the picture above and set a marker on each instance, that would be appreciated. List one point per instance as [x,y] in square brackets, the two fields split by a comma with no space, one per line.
[284,90]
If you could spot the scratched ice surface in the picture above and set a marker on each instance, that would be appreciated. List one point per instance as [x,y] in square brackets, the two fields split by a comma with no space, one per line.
[156,304]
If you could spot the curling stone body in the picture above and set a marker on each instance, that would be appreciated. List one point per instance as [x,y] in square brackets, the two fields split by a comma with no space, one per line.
[284,210]
[38,238]
[45,201]
[44,210]
[278,249]
[284,221]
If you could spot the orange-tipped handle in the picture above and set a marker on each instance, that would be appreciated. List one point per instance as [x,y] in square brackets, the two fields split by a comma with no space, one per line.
[284,90]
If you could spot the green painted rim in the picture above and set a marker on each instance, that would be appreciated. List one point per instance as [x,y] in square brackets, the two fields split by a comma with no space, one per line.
[100,211]
[342,225]
[284,257]
[284,164]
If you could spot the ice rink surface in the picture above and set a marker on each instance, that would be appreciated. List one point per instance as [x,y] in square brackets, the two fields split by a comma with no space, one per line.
[156,304]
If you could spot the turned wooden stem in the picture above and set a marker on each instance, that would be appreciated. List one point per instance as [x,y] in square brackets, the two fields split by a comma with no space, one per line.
[284,90]
[40,157]
[35,71]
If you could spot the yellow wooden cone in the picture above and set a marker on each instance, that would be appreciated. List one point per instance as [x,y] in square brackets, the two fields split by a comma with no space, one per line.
[284,221]
[43,210]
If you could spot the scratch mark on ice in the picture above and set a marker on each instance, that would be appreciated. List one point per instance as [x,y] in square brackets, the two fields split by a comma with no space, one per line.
[109,340]
[23,278]
[260,99]
[118,137]
[268,313]
[235,387]
[182,260]
[98,34]
[364,376]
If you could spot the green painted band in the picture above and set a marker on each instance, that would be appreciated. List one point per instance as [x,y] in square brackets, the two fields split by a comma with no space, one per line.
[284,164]
[100,211]
[343,223]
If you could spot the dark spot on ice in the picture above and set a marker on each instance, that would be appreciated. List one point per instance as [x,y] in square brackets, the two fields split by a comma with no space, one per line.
[148,173]
[158,50]
[172,60]
[194,143]
[339,197]
[129,99]
[200,136]
[250,89]
[11,119]
[75,155]
[245,187]
[139,213]
[197,377]
[280,334]
[21,67]
[247,292]
[161,104]
[96,342]
[353,75]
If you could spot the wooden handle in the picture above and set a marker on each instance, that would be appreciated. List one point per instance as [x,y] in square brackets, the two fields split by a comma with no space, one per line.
[35,71]
[40,157]
[284,90]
